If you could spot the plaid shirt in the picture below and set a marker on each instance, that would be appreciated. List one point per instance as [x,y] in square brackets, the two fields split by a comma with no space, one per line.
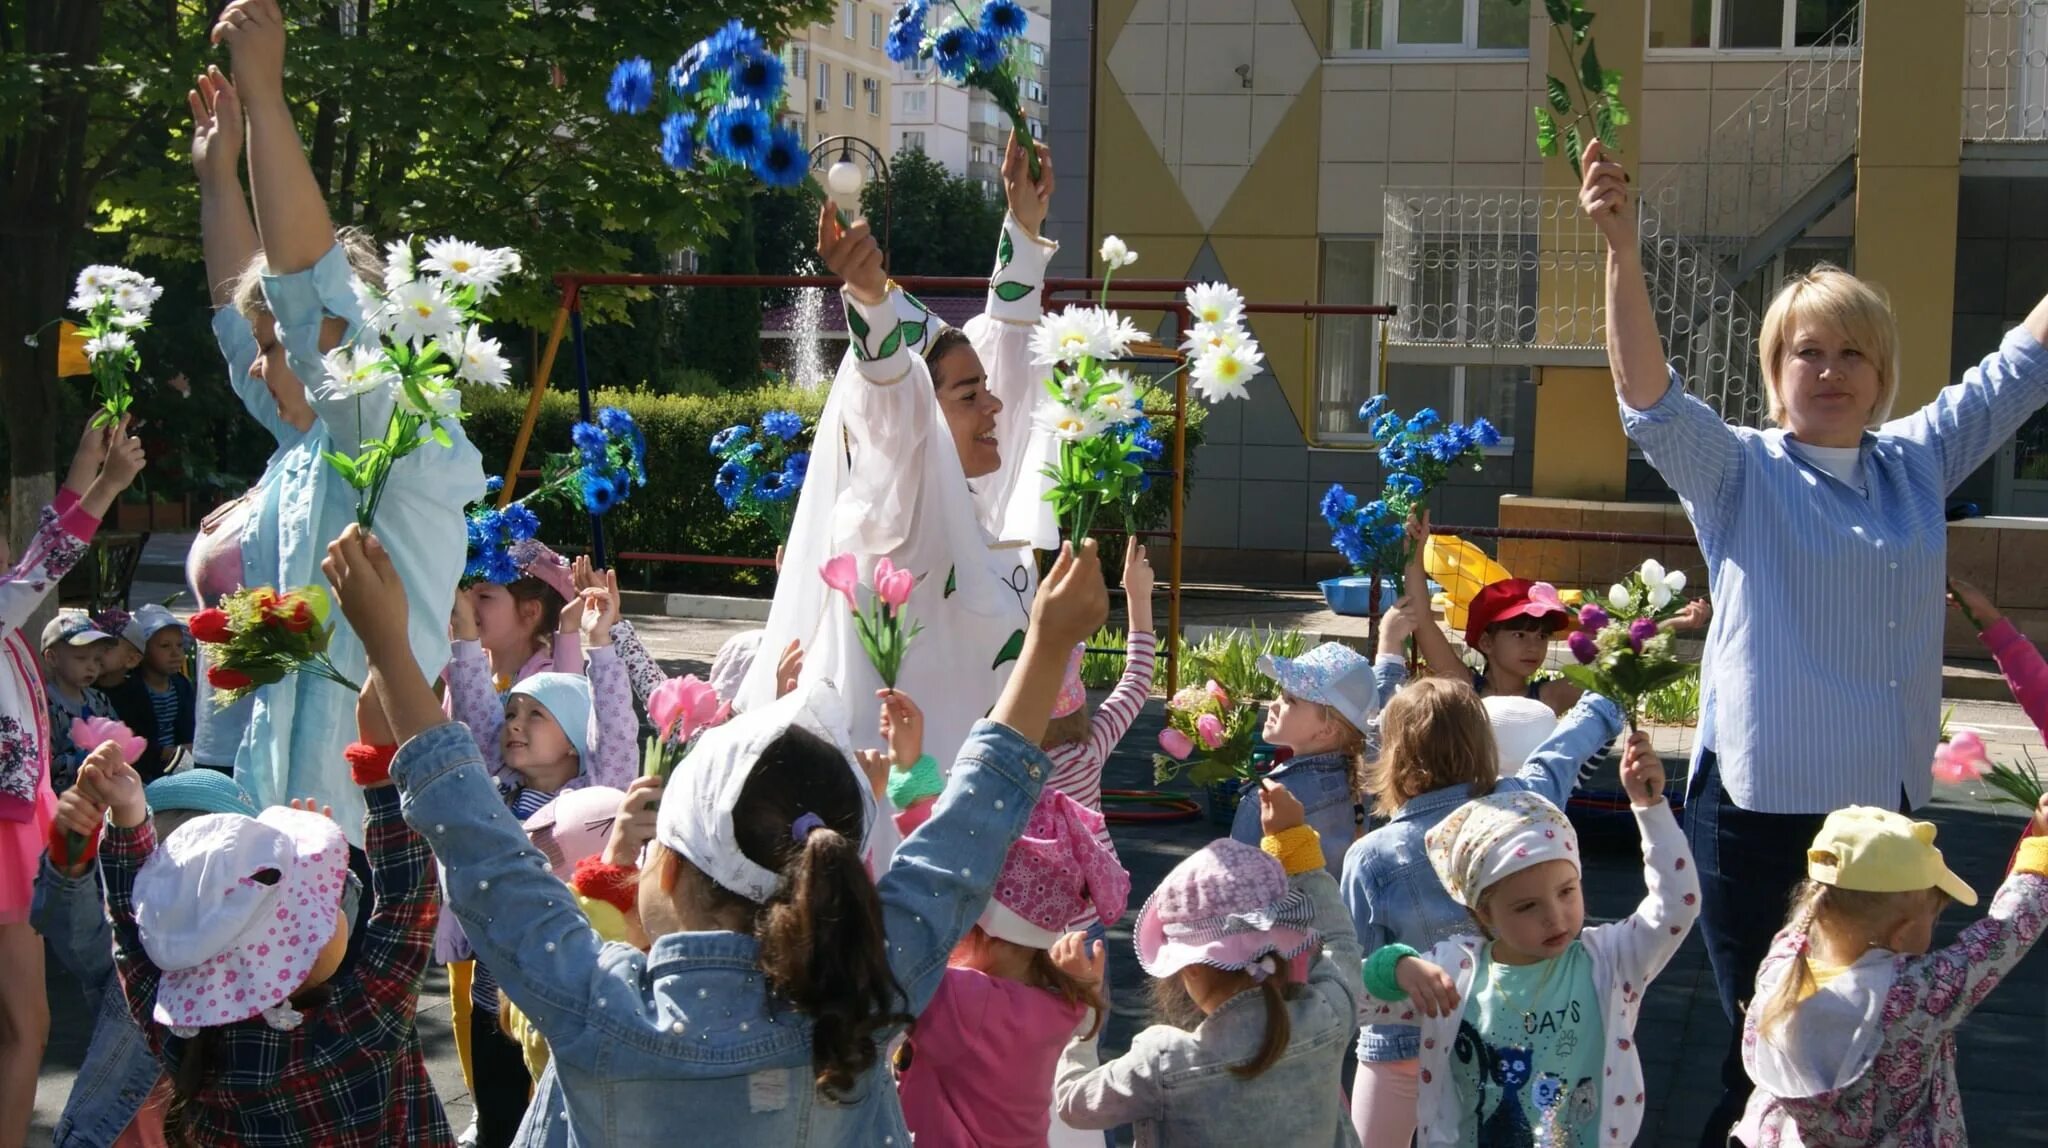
[352,1074]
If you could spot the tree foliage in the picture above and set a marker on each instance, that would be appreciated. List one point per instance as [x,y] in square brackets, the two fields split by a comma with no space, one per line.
[482,118]
[939,223]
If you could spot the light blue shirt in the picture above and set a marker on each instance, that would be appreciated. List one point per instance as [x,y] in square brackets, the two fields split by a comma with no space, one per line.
[1822,673]
[298,727]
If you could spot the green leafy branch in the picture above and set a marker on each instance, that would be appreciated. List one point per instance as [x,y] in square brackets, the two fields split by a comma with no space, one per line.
[1598,103]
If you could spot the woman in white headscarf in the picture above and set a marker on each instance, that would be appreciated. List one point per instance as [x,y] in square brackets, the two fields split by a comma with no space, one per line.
[925,455]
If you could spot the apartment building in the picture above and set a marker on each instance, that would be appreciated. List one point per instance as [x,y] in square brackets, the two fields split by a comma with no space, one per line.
[839,76]
[1382,151]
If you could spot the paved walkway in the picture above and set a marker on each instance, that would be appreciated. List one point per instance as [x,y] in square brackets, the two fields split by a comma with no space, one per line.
[1682,1032]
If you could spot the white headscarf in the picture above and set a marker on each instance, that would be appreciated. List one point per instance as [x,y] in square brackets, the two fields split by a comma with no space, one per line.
[696,806]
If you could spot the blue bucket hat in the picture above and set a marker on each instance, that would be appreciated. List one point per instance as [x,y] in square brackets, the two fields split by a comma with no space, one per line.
[200,790]
[1332,674]
[566,697]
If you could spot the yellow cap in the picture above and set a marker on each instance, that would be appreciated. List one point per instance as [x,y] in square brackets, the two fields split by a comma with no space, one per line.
[1878,851]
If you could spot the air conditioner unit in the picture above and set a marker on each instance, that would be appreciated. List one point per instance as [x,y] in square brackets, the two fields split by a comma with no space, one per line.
[819,103]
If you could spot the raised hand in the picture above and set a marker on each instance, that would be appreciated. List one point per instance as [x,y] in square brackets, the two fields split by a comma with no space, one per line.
[1074,955]
[462,617]
[572,615]
[789,668]
[1072,602]
[1397,623]
[1604,196]
[1642,771]
[902,727]
[1974,604]
[80,816]
[1137,572]
[216,128]
[111,783]
[1430,988]
[253,31]
[633,827]
[1028,201]
[1279,810]
[372,598]
[87,459]
[852,254]
[601,612]
[308,805]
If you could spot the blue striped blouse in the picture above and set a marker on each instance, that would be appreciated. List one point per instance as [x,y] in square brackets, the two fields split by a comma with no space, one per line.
[1822,673]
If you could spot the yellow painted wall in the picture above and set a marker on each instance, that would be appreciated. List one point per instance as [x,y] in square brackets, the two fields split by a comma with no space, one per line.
[1580,450]
[1907,174]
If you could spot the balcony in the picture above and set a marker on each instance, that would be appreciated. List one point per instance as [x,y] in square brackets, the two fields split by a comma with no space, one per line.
[2005,71]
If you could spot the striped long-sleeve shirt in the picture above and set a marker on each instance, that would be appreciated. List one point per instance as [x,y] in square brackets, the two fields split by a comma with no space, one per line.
[1077,765]
[1821,682]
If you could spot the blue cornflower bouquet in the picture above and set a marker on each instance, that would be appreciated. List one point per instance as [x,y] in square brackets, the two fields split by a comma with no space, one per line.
[976,51]
[1416,454]
[761,468]
[720,98]
[608,462]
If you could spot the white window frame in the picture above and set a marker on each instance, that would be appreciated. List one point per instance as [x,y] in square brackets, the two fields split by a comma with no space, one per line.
[1453,407]
[1788,27]
[875,29]
[848,87]
[874,97]
[915,100]
[912,141]
[824,91]
[849,11]
[1390,24]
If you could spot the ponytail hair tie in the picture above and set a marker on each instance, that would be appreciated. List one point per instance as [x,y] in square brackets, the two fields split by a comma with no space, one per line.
[802,827]
[1262,968]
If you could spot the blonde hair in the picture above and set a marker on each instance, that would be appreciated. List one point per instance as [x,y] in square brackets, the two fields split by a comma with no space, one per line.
[1831,298]
[1073,729]
[1352,746]
[1826,907]
[357,245]
[1433,734]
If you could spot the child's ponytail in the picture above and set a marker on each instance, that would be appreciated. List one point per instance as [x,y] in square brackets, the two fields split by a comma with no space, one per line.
[822,950]
[1773,1010]
[801,814]
[1279,1025]
[196,1066]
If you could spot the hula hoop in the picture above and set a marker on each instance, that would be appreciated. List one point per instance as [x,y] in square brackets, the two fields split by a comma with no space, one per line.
[1169,807]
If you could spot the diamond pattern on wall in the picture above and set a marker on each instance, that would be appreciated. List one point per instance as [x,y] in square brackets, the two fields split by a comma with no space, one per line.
[1183,65]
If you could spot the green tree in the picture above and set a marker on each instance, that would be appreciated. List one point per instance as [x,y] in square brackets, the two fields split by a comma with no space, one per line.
[939,223]
[722,325]
[483,118]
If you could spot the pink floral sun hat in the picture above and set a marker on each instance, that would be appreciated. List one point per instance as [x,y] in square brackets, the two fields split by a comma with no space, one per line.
[235,910]
[1058,872]
[537,560]
[1229,906]
[1073,694]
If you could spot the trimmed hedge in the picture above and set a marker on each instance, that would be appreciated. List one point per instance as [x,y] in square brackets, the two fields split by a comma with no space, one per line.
[677,512]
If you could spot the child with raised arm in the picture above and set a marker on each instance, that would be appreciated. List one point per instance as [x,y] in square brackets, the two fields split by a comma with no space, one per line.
[230,940]
[106,461]
[1851,1037]
[763,1005]
[1488,1074]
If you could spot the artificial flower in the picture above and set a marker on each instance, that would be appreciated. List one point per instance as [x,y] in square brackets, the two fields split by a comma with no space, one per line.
[1176,743]
[1215,303]
[1961,758]
[1115,254]
[1003,20]
[784,162]
[1221,374]
[679,140]
[893,585]
[111,343]
[354,369]
[1202,338]
[1069,335]
[95,731]
[477,359]
[632,87]
[1618,596]
[1209,728]
[1065,423]
[842,573]
[422,311]
[469,264]
[398,264]
[738,132]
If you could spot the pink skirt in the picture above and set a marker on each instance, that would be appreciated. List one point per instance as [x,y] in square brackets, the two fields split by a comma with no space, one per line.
[21,854]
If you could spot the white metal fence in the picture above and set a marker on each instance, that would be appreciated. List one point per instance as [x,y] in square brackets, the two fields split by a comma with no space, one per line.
[2005,70]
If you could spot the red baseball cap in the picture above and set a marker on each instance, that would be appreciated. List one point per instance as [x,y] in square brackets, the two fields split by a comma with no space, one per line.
[1514,598]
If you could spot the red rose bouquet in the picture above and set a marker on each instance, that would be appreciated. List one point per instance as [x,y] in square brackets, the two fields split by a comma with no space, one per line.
[258,637]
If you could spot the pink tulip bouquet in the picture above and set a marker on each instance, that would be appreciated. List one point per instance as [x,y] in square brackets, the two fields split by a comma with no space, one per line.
[1208,736]
[885,633]
[1963,758]
[680,708]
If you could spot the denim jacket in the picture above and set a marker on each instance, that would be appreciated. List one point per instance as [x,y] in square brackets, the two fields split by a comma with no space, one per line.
[686,1032]
[1177,1086]
[119,1069]
[1322,783]
[1394,894]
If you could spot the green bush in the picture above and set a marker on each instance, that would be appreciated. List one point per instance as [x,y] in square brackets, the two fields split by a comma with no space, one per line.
[677,512]
[1231,659]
